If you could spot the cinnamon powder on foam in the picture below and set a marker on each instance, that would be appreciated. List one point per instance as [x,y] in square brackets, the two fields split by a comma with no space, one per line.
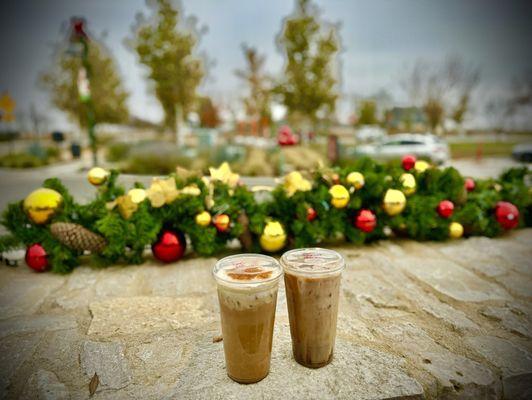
[248,273]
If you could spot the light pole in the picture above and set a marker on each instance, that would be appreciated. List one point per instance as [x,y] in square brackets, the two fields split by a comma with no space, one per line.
[78,37]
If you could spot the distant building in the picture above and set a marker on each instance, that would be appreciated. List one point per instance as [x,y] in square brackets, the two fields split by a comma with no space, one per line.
[406,119]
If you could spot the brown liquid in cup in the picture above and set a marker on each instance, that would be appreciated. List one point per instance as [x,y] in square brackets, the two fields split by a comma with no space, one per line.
[313,311]
[247,292]
[247,328]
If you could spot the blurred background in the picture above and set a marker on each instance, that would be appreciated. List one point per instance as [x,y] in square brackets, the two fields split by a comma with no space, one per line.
[144,86]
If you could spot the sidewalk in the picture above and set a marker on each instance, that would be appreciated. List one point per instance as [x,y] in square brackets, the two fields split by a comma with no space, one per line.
[439,320]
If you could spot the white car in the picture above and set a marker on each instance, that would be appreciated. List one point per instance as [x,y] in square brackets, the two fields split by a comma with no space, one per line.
[369,133]
[397,146]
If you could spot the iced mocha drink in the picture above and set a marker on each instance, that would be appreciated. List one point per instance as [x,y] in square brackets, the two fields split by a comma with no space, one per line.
[312,279]
[247,291]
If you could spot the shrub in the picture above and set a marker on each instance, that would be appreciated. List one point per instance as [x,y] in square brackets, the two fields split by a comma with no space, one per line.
[118,152]
[21,160]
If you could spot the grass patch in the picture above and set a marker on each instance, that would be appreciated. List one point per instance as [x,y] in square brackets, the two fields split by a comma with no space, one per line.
[468,150]
[35,156]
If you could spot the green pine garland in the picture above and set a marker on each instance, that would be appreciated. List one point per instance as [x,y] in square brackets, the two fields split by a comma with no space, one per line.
[128,238]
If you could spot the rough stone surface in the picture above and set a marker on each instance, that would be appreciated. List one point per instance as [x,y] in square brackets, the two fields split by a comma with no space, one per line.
[108,361]
[44,385]
[137,315]
[357,372]
[450,279]
[456,375]
[416,320]
[36,323]
[22,291]
[515,363]
[14,351]
[511,319]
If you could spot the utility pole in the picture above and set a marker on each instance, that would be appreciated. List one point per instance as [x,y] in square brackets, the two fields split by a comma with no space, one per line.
[78,37]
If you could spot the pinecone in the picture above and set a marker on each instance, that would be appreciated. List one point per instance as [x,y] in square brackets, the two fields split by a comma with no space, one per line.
[77,237]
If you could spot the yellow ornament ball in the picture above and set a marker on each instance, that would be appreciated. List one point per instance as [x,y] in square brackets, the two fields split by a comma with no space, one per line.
[409,183]
[456,230]
[42,204]
[421,166]
[203,218]
[356,179]
[97,176]
[137,195]
[340,196]
[273,237]
[394,202]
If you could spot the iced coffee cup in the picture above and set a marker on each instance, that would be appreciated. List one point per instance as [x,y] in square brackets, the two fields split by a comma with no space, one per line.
[247,291]
[312,279]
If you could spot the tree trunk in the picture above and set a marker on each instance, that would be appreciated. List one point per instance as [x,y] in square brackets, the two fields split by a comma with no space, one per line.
[178,117]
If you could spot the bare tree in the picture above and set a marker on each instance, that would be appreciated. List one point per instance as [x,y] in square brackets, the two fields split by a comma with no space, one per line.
[257,102]
[441,90]
[38,121]
[521,92]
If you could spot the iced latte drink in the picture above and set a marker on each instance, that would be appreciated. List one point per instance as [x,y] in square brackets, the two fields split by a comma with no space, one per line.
[247,291]
[312,279]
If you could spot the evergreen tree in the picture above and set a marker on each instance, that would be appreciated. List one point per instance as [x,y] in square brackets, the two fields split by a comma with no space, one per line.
[209,116]
[166,45]
[308,86]
[106,88]
[367,113]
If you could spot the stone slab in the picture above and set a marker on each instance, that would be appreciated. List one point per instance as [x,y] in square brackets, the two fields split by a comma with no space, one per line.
[515,363]
[512,320]
[374,375]
[44,385]
[108,361]
[457,376]
[518,285]
[471,258]
[36,323]
[450,279]
[144,314]
[23,291]
[510,253]
[14,351]
[419,298]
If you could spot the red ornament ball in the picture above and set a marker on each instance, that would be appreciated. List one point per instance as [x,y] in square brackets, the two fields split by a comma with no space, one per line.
[507,214]
[221,222]
[469,184]
[366,221]
[311,214]
[37,258]
[169,247]
[408,162]
[445,208]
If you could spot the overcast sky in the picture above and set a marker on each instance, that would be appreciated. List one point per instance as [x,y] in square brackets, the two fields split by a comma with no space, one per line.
[380,39]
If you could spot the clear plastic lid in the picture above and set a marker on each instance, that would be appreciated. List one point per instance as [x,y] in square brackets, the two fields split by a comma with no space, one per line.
[247,269]
[313,261]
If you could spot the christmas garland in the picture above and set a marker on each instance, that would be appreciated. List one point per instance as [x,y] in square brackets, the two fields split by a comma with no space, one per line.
[364,202]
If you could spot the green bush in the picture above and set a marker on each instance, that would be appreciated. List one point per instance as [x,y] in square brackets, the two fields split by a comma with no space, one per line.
[52,153]
[155,164]
[21,160]
[118,152]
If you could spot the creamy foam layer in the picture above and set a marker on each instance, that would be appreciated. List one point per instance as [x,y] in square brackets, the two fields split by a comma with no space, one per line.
[246,298]
[247,270]
[312,261]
